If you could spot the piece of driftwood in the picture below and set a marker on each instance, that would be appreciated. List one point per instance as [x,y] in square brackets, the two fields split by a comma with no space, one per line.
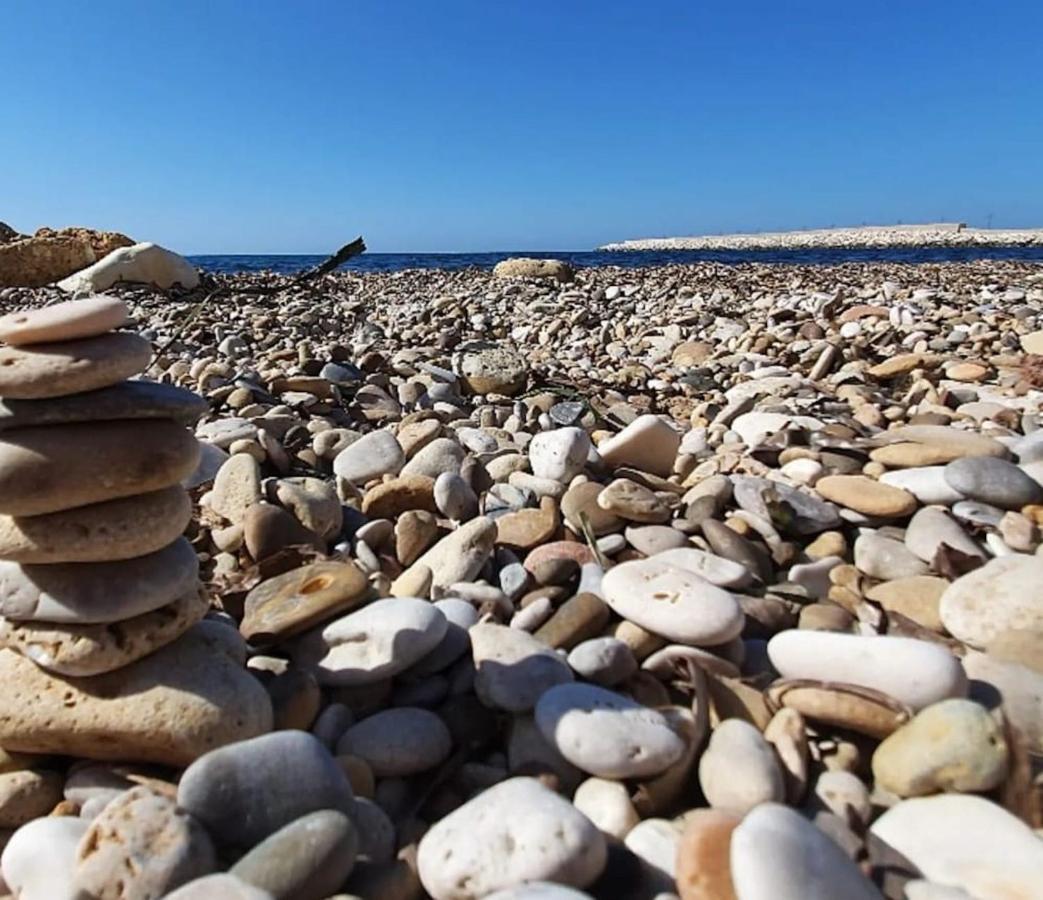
[345,253]
[215,289]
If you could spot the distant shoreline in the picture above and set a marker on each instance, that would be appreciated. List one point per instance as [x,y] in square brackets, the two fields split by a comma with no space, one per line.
[940,234]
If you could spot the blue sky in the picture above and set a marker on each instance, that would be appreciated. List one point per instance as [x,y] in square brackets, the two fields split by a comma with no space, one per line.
[270,126]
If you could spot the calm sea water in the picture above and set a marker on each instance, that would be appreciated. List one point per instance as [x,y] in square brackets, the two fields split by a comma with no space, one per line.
[394,262]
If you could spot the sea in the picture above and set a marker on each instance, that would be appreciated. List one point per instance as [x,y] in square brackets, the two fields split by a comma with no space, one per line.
[286,264]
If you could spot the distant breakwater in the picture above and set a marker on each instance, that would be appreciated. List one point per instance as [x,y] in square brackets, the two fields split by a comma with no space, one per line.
[942,234]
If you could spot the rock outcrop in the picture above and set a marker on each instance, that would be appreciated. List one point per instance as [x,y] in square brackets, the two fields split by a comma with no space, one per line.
[50,255]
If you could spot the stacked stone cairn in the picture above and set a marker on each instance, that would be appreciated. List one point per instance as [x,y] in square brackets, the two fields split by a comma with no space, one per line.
[104,651]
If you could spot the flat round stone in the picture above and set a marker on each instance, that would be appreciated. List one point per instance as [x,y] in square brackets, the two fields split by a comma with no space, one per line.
[66,321]
[90,593]
[296,600]
[82,650]
[56,467]
[605,733]
[926,445]
[125,400]
[672,602]
[116,529]
[71,367]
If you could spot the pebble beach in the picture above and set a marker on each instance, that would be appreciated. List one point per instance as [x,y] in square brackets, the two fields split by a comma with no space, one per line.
[710,582]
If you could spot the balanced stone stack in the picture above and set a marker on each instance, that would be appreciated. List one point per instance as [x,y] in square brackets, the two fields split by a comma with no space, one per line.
[103,651]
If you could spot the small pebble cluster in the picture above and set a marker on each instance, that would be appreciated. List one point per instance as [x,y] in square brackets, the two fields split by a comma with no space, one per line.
[688,582]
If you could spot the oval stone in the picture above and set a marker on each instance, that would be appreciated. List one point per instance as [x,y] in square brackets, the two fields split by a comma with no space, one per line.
[57,467]
[27,794]
[39,859]
[124,400]
[717,570]
[559,454]
[605,661]
[87,593]
[71,367]
[703,864]
[607,804]
[246,791]
[954,745]
[738,769]
[966,842]
[777,854]
[398,742]
[994,481]
[374,643]
[67,321]
[142,841]
[864,495]
[1003,595]
[929,529]
[296,600]
[499,840]
[115,529]
[605,733]
[309,859]
[513,668]
[672,602]
[372,455]
[914,672]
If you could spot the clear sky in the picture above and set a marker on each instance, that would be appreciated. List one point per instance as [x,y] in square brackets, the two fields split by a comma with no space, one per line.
[263,126]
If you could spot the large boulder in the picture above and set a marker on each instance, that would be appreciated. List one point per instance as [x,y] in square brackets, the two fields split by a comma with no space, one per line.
[102,243]
[527,267]
[50,255]
[146,263]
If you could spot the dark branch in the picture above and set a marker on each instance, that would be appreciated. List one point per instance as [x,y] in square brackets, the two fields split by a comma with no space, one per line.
[345,253]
